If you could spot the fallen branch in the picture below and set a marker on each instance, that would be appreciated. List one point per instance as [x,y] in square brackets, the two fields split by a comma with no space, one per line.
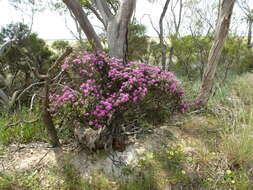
[42,158]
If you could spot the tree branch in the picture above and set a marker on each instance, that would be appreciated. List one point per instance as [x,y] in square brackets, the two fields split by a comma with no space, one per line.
[29,87]
[152,24]
[126,10]
[85,24]
[19,122]
[104,10]
[60,59]
[96,13]
[161,34]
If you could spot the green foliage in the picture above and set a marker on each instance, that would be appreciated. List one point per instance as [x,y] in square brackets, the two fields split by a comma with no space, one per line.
[191,54]
[137,41]
[154,53]
[243,88]
[60,45]
[236,55]
[21,50]
[21,132]
[26,47]
[21,181]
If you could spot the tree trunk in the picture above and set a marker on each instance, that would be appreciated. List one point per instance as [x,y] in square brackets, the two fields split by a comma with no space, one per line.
[171,55]
[117,40]
[177,26]
[117,30]
[46,116]
[221,32]
[250,32]
[47,119]
[161,35]
[116,25]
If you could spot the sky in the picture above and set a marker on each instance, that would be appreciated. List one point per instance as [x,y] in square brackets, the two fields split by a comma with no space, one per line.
[50,25]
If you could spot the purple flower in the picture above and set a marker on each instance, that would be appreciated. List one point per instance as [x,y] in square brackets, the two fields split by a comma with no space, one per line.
[64,66]
[101,86]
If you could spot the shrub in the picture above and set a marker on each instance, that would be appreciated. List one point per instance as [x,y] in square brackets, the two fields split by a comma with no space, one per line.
[60,45]
[100,91]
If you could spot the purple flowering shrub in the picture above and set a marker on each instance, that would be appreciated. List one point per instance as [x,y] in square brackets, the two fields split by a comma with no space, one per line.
[99,91]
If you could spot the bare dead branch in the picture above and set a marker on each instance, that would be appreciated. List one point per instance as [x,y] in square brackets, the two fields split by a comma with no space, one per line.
[32,101]
[152,24]
[28,88]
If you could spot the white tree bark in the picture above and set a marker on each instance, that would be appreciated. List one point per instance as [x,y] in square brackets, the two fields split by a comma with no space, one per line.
[116,25]
[220,35]
[117,29]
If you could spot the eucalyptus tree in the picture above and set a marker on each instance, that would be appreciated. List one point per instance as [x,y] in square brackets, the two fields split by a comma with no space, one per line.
[115,16]
[248,13]
[221,31]
[160,32]
[177,23]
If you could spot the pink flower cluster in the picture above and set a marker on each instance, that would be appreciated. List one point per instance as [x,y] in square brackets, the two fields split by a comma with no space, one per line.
[68,95]
[101,86]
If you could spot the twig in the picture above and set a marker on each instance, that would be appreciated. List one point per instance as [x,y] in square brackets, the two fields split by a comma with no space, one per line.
[117,160]
[42,158]
[61,85]
[57,76]
[19,122]
[152,24]
[32,100]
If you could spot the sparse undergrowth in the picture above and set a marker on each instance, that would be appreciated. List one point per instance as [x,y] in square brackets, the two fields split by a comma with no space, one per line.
[22,126]
[214,151]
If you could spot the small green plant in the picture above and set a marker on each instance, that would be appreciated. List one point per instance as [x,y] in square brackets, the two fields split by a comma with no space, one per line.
[28,180]
[15,128]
